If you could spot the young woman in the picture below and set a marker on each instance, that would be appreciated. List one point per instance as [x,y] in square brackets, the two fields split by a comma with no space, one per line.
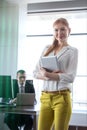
[55,98]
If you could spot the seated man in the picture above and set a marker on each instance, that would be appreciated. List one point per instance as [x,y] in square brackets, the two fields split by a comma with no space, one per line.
[13,121]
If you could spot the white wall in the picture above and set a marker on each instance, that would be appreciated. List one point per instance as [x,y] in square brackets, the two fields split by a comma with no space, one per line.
[22,33]
[9,14]
[8,38]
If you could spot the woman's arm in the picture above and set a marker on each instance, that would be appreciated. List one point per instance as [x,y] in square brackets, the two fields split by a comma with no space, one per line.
[69,73]
[49,75]
[36,72]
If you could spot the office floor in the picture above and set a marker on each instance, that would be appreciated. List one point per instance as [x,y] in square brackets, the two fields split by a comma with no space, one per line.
[2,125]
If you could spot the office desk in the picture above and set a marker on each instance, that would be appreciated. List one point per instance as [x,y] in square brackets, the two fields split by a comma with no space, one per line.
[77,119]
[29,110]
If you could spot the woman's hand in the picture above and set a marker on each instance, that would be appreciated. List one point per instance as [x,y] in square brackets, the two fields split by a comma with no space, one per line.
[43,72]
[47,75]
[57,71]
[50,75]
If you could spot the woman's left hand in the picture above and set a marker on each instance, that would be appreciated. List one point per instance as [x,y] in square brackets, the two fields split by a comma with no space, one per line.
[43,72]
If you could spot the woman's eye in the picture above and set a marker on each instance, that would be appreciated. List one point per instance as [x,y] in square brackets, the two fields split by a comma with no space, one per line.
[56,30]
[62,29]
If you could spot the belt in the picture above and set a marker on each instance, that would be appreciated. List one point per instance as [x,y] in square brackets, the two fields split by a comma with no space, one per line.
[57,92]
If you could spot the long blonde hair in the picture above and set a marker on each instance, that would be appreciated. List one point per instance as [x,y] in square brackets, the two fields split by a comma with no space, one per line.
[55,41]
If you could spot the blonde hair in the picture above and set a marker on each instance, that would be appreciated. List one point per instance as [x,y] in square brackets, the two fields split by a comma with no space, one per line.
[61,20]
[55,42]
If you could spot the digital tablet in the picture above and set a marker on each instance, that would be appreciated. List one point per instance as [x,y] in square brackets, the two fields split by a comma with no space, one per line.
[49,63]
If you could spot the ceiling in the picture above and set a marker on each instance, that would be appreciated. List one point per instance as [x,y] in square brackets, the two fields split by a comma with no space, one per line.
[32,1]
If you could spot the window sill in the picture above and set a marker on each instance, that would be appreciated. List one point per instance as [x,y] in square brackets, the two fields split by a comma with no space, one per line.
[79,118]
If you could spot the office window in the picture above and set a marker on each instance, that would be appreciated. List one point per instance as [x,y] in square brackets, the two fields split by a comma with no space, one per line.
[39,34]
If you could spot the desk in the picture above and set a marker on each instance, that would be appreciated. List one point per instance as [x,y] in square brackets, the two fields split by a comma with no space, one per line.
[29,110]
[77,119]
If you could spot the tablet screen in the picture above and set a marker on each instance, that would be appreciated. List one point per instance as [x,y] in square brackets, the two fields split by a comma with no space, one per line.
[49,63]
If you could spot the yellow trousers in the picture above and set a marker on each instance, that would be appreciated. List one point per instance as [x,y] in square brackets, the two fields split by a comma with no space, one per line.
[55,111]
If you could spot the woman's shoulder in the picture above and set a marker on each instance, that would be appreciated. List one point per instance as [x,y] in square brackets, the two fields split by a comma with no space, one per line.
[47,46]
[45,49]
[72,48]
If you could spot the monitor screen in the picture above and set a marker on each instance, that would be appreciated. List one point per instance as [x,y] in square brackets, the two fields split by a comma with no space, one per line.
[5,86]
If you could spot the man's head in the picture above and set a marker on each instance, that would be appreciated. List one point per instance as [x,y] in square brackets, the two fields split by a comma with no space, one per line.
[21,76]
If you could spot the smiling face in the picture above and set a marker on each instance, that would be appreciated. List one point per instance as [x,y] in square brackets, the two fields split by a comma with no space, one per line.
[61,31]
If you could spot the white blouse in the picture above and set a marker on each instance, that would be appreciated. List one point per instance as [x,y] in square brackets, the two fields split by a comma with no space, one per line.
[67,63]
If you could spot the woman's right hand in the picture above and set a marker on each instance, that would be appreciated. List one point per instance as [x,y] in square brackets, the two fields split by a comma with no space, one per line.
[57,71]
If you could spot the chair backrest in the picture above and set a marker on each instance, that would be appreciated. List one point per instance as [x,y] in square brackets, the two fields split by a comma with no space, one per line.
[15,80]
[5,86]
[30,81]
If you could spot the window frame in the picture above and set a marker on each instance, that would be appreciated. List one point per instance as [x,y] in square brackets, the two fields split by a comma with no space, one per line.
[50,35]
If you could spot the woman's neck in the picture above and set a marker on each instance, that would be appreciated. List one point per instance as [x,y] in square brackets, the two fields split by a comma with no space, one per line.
[59,47]
[62,44]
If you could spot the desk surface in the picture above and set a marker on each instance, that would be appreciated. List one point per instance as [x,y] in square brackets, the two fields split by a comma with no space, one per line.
[77,119]
[32,110]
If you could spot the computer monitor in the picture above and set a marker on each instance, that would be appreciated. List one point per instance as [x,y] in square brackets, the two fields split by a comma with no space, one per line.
[5,87]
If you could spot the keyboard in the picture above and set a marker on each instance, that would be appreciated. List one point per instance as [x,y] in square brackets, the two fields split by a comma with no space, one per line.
[6,105]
